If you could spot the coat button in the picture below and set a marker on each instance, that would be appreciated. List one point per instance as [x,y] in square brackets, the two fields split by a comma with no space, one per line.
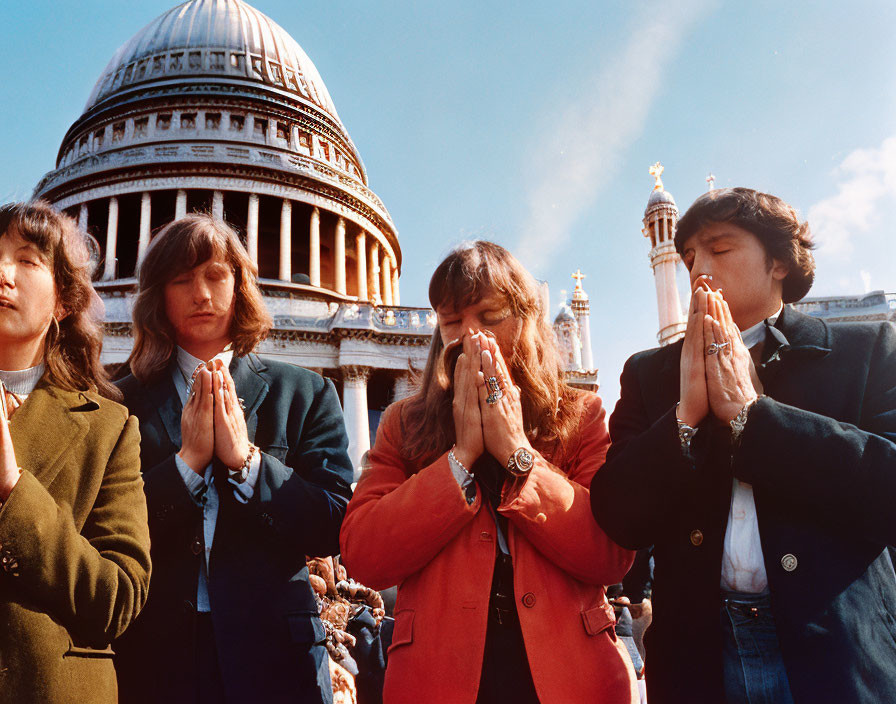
[789,562]
[528,600]
[485,535]
[196,546]
[696,537]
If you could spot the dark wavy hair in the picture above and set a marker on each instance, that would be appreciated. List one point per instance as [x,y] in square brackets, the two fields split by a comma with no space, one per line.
[774,222]
[71,350]
[550,406]
[180,246]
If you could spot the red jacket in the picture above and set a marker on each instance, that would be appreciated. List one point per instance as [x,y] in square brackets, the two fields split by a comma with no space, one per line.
[415,529]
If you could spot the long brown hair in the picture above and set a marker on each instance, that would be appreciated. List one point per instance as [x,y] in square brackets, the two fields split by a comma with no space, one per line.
[180,246]
[72,348]
[467,275]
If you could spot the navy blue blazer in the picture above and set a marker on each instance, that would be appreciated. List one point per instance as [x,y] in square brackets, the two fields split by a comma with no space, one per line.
[820,452]
[267,630]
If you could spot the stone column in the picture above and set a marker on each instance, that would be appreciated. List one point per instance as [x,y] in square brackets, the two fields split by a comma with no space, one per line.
[387,280]
[218,205]
[374,273]
[109,272]
[82,217]
[180,204]
[145,220]
[252,228]
[396,299]
[361,253]
[354,405]
[286,241]
[339,256]
[404,386]
[314,249]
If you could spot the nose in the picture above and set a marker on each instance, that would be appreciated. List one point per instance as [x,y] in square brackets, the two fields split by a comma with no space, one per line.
[201,291]
[7,276]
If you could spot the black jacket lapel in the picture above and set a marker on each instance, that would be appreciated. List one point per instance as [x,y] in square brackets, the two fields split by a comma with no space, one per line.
[251,387]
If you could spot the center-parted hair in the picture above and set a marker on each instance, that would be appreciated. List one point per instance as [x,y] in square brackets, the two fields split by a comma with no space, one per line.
[180,246]
[774,222]
[71,349]
[467,275]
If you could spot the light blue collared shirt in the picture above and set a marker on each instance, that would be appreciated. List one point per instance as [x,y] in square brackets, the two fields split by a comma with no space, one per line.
[202,488]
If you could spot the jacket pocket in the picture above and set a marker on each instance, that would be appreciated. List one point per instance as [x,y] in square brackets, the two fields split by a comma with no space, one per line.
[79,652]
[305,629]
[599,619]
[403,631]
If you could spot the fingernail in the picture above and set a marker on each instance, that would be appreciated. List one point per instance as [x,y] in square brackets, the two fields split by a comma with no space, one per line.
[487,356]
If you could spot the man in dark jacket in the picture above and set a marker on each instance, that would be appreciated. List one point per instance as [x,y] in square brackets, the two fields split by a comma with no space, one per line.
[763,450]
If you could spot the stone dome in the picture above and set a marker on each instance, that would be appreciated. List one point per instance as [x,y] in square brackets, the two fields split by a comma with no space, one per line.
[565,315]
[213,107]
[661,197]
[222,38]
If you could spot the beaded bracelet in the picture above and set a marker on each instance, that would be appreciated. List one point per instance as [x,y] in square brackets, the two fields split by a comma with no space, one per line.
[241,473]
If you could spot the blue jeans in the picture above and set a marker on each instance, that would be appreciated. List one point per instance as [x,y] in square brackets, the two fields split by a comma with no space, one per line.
[753,667]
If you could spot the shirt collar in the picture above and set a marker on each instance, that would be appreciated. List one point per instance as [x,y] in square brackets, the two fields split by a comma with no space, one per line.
[22,381]
[754,335]
[188,364]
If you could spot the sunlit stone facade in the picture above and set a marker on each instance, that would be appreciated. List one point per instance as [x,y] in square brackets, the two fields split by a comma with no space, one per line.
[213,107]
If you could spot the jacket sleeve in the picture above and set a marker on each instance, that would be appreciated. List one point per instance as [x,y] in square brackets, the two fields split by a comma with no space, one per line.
[301,502]
[396,524]
[553,509]
[93,581]
[840,474]
[645,472]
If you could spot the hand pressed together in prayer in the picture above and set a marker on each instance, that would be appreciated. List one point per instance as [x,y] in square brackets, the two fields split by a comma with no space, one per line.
[502,413]
[212,423]
[488,415]
[717,371]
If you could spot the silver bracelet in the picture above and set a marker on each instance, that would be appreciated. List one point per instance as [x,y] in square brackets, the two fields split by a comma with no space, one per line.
[453,458]
[739,422]
[241,473]
[686,433]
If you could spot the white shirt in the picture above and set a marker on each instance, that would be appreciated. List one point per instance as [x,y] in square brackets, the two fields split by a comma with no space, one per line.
[203,488]
[743,565]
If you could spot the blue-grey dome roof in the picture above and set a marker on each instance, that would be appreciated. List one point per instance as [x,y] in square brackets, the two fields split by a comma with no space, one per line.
[224,38]
[657,197]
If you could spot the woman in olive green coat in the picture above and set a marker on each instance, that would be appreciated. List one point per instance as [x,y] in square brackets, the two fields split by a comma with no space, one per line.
[74,542]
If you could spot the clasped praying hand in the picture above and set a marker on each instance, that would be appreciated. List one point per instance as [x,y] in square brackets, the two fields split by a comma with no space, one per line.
[717,372]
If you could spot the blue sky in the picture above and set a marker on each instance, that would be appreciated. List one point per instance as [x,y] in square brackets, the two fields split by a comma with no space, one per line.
[533,124]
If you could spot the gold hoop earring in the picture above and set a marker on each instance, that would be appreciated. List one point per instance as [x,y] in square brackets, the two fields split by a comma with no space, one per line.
[56,326]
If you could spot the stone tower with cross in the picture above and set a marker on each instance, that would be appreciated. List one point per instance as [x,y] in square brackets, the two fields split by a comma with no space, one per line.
[581,309]
[660,219]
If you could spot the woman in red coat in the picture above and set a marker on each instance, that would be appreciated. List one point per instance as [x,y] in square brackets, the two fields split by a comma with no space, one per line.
[475,502]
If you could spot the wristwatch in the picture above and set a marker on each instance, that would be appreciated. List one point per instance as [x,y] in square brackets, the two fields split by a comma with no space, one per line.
[520,462]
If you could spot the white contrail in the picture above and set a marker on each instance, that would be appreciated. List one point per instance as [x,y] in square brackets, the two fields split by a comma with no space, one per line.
[593,131]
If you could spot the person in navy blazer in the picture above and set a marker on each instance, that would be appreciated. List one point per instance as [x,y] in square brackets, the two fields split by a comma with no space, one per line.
[246,472]
[814,444]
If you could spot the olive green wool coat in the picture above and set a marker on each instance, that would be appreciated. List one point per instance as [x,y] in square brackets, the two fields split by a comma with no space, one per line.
[74,547]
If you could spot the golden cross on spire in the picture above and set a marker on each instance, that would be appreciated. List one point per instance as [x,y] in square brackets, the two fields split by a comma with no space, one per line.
[656,171]
[578,276]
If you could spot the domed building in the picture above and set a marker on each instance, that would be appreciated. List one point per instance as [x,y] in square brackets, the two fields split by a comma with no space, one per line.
[213,107]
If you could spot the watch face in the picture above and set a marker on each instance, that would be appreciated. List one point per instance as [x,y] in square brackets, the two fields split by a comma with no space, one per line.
[520,462]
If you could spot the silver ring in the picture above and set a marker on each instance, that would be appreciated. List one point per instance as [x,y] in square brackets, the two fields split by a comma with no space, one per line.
[716,347]
[242,404]
[492,384]
[494,397]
